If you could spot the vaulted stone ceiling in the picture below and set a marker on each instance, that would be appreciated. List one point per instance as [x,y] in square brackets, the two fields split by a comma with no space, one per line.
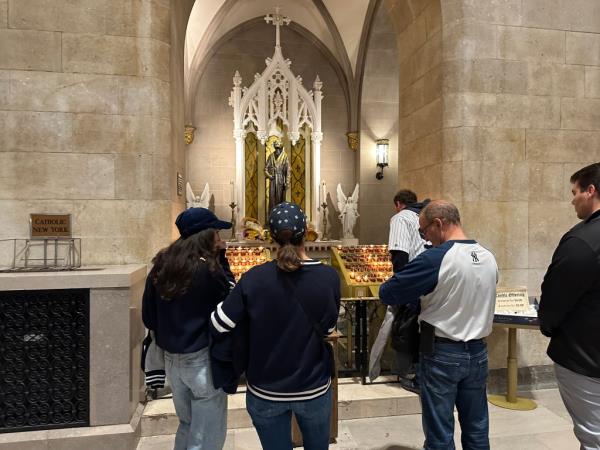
[338,24]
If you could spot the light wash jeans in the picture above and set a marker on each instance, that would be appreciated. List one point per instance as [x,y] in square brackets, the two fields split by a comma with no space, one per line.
[201,409]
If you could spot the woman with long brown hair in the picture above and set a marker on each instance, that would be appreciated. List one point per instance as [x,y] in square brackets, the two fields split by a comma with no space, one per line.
[189,278]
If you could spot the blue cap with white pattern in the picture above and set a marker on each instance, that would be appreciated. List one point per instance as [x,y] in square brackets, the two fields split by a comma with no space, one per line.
[287,216]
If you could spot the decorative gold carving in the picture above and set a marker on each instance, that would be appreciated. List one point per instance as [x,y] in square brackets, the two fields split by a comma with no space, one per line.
[188,134]
[353,140]
[298,189]
[251,167]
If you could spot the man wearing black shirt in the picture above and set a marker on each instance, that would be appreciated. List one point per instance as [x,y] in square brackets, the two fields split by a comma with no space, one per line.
[570,310]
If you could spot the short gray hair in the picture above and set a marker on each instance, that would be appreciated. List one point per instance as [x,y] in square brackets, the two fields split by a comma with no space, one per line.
[441,209]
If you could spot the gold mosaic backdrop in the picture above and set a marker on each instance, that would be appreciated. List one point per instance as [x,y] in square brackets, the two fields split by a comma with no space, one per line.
[298,173]
[251,157]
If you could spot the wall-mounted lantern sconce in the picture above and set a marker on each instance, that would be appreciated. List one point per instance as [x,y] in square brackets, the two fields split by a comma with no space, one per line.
[382,156]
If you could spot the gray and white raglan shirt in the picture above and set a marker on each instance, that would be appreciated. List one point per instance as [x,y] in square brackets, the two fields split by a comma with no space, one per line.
[455,284]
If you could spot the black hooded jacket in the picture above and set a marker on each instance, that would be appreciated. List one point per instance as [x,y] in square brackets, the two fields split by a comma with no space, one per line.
[569,310]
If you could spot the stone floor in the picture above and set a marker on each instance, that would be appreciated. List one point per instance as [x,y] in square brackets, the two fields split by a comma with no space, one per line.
[547,427]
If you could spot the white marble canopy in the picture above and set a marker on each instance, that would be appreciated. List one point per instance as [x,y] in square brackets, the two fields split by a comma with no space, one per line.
[277,94]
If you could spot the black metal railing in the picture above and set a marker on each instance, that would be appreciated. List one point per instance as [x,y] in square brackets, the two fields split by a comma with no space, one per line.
[44,359]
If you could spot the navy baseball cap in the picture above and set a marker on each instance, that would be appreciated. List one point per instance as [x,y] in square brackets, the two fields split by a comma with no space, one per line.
[287,216]
[194,220]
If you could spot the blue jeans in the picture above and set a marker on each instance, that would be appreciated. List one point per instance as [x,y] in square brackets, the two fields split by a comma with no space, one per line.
[455,374]
[201,409]
[273,421]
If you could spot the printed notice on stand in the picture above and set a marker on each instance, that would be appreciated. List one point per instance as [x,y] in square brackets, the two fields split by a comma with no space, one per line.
[512,300]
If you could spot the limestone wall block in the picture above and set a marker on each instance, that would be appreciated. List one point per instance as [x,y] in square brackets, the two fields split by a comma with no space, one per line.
[575,15]
[45,91]
[486,75]
[428,56]
[545,230]
[29,175]
[423,91]
[27,131]
[144,96]
[163,178]
[514,278]
[592,82]
[559,80]
[141,18]
[504,181]
[3,13]
[469,109]
[29,50]
[547,182]
[563,146]
[527,44]
[101,133]
[501,227]
[524,111]
[580,114]
[133,176]
[472,181]
[422,122]
[374,57]
[407,72]
[412,38]
[4,88]
[83,16]
[423,152]
[452,181]
[583,48]
[426,181]
[469,40]
[401,14]
[375,193]
[503,12]
[379,89]
[433,17]
[115,55]
[484,144]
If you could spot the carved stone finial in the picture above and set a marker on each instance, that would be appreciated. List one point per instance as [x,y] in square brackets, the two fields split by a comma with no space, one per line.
[353,140]
[188,134]
[318,84]
[237,79]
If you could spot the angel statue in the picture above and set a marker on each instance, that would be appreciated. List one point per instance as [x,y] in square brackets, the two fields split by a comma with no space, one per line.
[194,201]
[348,207]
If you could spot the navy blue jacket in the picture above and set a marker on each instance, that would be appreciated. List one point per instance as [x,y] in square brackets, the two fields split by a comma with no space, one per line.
[287,360]
[181,325]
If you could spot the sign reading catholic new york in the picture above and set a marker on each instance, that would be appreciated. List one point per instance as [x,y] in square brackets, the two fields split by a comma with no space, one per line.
[45,226]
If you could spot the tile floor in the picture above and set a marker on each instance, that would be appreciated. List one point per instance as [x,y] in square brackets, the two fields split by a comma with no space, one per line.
[547,427]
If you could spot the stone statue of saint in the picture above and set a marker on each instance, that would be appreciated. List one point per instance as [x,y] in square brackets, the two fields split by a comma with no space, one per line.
[277,170]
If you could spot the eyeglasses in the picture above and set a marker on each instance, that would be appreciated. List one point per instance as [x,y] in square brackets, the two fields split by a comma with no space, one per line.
[423,230]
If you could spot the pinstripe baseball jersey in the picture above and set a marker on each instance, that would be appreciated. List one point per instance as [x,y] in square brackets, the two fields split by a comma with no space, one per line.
[404,233]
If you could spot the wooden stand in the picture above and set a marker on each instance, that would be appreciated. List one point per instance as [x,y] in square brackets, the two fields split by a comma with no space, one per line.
[333,433]
[510,400]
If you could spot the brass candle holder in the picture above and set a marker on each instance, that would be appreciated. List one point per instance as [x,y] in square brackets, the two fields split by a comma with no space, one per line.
[324,237]
[232,205]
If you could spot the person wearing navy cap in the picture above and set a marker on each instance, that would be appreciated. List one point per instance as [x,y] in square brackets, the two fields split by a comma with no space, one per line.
[187,281]
[291,304]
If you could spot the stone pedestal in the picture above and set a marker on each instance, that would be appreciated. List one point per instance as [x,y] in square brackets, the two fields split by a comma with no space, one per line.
[115,332]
